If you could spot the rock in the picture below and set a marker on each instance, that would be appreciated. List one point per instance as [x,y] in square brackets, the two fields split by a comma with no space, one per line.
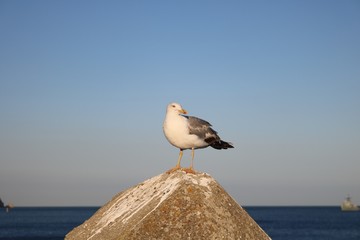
[171,206]
[1,204]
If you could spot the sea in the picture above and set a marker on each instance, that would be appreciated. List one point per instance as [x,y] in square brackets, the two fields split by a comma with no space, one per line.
[280,223]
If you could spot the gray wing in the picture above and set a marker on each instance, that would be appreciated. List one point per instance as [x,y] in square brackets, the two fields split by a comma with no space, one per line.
[202,129]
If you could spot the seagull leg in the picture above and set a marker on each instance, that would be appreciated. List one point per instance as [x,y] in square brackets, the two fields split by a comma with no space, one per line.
[177,167]
[191,168]
[179,159]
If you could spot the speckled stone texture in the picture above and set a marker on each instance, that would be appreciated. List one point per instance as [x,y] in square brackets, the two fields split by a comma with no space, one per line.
[171,206]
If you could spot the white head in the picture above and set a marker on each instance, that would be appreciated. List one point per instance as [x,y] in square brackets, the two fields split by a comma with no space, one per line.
[175,108]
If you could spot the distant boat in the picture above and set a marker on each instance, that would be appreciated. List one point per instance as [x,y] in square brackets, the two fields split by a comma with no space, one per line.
[9,206]
[1,204]
[348,206]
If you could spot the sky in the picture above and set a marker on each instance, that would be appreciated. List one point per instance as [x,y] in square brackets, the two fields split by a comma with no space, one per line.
[84,87]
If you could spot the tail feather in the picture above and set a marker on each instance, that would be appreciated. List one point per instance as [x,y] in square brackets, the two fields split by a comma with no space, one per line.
[221,145]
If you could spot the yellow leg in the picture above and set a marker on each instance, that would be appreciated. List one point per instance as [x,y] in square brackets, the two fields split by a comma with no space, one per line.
[191,168]
[177,167]
[179,158]
[192,159]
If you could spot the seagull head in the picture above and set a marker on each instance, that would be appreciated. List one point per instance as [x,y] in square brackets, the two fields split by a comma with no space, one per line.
[175,107]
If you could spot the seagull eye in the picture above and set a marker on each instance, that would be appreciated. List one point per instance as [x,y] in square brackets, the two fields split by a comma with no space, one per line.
[173,106]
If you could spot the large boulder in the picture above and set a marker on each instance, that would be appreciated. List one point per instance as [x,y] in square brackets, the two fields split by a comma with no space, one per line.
[171,206]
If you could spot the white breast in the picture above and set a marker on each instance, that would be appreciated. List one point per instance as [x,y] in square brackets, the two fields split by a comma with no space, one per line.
[177,133]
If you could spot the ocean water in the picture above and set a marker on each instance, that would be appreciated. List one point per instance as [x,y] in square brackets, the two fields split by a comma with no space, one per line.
[305,223]
[41,223]
[282,223]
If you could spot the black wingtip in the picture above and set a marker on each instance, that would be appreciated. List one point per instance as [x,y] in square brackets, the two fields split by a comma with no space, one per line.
[221,145]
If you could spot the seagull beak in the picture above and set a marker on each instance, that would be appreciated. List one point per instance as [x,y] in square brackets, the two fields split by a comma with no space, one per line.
[183,111]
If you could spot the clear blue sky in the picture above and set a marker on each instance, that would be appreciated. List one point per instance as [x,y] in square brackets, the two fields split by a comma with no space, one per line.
[84,87]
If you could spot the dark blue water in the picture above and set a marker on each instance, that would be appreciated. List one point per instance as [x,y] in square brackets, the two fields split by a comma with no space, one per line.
[41,223]
[282,223]
[305,223]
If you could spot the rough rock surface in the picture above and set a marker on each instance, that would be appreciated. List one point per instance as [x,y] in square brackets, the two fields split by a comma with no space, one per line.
[171,206]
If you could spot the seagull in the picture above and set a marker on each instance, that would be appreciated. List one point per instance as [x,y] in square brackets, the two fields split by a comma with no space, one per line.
[188,132]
